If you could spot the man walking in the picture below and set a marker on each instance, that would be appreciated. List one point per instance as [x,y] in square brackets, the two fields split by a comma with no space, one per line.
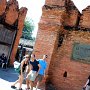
[41,74]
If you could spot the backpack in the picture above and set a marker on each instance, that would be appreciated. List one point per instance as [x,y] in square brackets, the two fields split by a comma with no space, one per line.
[17,66]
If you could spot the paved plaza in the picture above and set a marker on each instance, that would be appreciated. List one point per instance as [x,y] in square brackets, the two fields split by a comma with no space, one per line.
[7,78]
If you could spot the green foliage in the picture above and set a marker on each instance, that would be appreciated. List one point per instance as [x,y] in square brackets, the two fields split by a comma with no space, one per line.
[28,29]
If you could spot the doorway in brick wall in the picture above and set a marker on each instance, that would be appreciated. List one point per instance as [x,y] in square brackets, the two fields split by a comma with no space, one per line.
[7,36]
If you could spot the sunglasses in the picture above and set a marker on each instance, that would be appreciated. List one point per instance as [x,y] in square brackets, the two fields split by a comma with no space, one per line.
[26,57]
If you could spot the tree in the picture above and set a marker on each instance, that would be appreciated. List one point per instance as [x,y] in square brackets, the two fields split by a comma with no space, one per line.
[28,29]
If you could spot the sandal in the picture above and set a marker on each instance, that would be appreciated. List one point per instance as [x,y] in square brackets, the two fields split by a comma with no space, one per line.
[13,87]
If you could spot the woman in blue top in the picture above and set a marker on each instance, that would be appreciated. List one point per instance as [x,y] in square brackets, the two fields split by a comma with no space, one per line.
[41,73]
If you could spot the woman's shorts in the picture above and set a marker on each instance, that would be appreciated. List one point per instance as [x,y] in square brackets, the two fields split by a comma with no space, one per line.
[32,75]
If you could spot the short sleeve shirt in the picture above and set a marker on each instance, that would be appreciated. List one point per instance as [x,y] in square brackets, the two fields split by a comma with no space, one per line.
[34,65]
[43,66]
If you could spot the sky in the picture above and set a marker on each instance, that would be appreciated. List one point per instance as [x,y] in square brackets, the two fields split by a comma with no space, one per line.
[81,4]
[35,9]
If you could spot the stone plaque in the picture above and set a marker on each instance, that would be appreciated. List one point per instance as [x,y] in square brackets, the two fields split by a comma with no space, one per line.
[81,52]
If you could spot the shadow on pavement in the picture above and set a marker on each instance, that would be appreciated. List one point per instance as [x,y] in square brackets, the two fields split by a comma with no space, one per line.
[8,74]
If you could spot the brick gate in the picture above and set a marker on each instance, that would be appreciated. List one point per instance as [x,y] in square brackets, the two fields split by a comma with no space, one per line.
[11,26]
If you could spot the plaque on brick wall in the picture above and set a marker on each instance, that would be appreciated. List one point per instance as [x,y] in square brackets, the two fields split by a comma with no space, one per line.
[81,52]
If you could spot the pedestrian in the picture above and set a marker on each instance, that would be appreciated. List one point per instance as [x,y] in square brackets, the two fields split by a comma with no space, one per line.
[20,53]
[4,60]
[87,85]
[23,66]
[41,74]
[34,68]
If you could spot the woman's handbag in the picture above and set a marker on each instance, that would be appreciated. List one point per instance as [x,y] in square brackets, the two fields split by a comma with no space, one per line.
[17,66]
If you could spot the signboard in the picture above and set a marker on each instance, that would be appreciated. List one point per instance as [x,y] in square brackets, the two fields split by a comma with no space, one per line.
[81,52]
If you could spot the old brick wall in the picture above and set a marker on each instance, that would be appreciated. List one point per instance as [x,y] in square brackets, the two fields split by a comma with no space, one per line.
[49,27]
[77,72]
[21,18]
[62,17]
[13,17]
[85,18]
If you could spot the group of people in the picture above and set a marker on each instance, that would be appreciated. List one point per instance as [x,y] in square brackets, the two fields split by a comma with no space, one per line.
[35,70]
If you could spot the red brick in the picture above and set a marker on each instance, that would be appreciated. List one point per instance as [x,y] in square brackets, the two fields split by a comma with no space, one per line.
[2,6]
[56,2]
[85,18]
[11,13]
[51,25]
[21,18]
